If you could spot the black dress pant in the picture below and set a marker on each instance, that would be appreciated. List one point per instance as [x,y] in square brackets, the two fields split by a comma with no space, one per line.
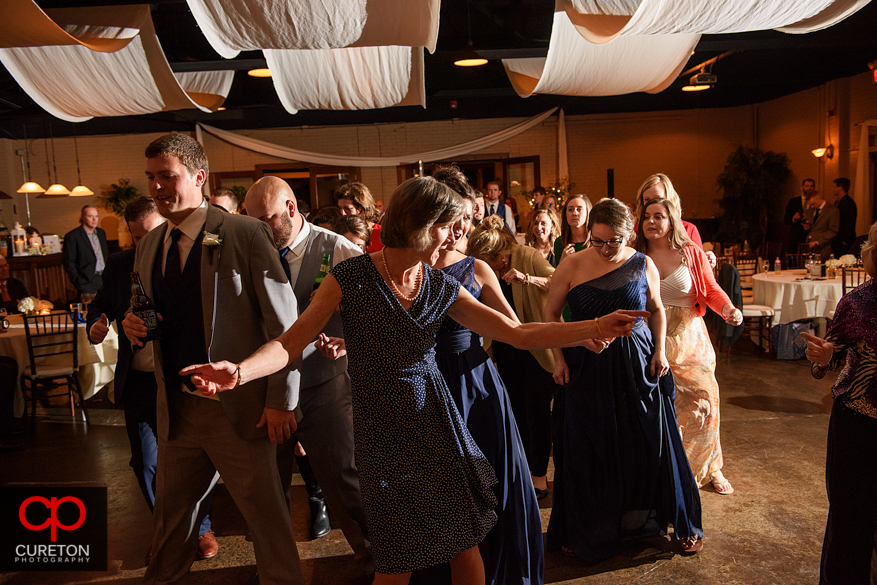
[530,389]
[8,375]
[851,483]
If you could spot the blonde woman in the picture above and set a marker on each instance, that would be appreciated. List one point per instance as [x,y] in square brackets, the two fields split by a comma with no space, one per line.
[687,288]
[543,230]
[660,185]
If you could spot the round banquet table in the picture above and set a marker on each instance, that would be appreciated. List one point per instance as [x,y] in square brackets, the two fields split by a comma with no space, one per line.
[793,299]
[97,363]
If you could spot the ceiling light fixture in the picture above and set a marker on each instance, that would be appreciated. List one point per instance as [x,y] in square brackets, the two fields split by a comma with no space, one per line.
[472,58]
[79,190]
[56,189]
[28,186]
[701,81]
[263,72]
[474,62]
[703,77]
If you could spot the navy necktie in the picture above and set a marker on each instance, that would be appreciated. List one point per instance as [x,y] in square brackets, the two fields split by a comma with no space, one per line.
[816,215]
[285,264]
[172,272]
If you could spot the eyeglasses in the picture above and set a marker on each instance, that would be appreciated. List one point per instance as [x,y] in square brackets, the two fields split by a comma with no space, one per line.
[610,243]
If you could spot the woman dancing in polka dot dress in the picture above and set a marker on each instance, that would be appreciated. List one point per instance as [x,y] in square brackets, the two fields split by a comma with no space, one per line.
[426,487]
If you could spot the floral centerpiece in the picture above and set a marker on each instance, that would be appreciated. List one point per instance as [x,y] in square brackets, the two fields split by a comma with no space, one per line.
[847,260]
[34,306]
[27,305]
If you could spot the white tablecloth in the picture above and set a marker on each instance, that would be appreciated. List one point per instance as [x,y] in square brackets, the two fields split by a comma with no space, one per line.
[794,299]
[97,363]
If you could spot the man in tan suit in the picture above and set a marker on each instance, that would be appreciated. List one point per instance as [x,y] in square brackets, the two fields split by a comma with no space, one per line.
[217,282]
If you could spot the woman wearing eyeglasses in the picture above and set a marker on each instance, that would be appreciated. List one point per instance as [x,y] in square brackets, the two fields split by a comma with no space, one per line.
[620,471]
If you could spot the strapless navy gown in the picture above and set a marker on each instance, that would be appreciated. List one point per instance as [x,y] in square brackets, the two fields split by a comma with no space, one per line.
[620,468]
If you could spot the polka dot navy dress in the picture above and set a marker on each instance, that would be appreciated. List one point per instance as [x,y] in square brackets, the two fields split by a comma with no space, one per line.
[426,487]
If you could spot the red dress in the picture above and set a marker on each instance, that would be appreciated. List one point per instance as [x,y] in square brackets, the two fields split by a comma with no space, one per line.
[375,244]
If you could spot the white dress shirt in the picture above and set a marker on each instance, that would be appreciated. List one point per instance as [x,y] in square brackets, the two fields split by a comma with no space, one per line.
[344,249]
[191,228]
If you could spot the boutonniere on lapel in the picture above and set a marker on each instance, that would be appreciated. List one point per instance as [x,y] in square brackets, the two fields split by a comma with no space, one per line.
[213,240]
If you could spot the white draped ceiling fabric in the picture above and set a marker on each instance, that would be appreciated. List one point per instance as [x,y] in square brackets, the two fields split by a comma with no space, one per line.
[601,21]
[232,26]
[287,153]
[575,66]
[24,24]
[613,47]
[75,83]
[348,79]
[330,54]
[833,14]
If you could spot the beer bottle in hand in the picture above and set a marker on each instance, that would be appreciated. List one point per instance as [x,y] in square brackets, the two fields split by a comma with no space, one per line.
[325,267]
[143,307]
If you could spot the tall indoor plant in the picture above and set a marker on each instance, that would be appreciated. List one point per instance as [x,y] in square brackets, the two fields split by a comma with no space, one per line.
[754,184]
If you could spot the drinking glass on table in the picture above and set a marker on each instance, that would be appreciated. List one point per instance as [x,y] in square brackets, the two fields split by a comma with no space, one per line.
[4,322]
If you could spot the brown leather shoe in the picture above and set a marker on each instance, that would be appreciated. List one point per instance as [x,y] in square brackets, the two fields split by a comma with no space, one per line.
[207,546]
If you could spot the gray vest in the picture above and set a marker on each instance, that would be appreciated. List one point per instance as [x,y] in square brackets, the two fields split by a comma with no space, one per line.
[315,368]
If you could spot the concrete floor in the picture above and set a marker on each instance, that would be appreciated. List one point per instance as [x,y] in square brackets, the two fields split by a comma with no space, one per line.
[774,421]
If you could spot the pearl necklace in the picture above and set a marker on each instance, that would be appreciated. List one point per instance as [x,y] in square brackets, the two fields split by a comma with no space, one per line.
[393,282]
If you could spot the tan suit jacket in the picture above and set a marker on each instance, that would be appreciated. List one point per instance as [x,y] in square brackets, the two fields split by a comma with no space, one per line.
[246,301]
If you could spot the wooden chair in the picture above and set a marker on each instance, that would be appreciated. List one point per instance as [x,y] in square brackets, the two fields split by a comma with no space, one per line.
[795,261]
[54,360]
[747,266]
[772,251]
[758,319]
[852,277]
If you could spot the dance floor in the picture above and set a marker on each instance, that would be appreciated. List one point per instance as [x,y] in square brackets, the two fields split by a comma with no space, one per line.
[774,421]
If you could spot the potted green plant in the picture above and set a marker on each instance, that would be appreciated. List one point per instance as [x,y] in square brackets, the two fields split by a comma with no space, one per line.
[117,196]
[754,185]
[114,199]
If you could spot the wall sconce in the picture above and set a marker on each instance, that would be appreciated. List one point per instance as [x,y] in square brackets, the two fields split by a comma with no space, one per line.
[826,151]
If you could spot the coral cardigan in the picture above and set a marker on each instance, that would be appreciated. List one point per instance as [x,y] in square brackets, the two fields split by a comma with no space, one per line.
[709,293]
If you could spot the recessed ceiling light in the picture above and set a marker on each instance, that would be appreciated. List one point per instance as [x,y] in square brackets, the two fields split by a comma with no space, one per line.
[264,72]
[470,62]
[695,87]
[220,109]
